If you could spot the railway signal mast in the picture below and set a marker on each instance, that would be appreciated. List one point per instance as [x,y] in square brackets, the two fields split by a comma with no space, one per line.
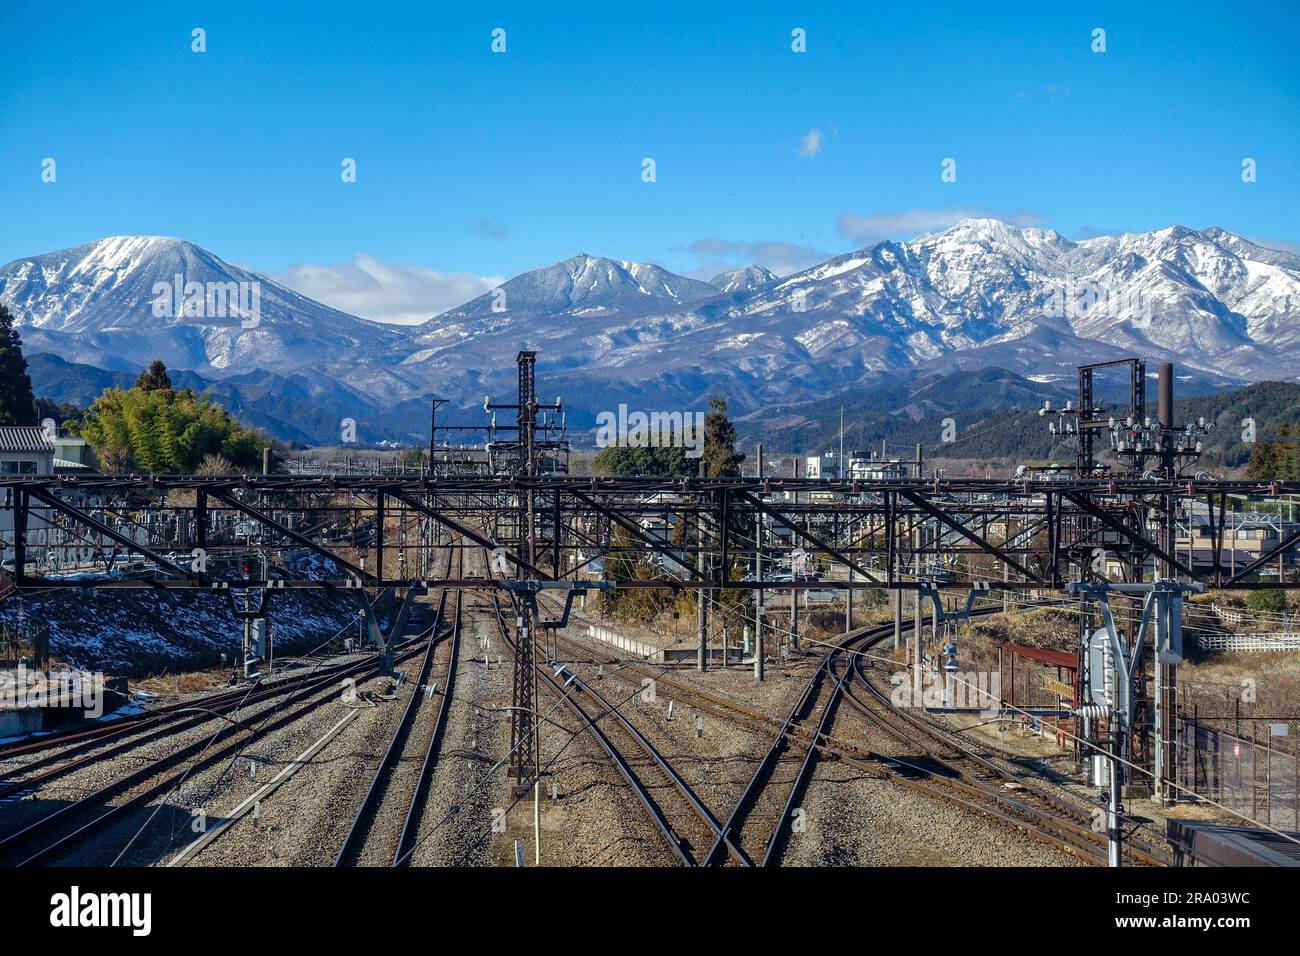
[1135,440]
[522,455]
[1153,450]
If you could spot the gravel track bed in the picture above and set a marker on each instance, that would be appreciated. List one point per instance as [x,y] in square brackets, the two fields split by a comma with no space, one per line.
[305,821]
[456,825]
[1043,777]
[856,820]
[12,767]
[97,774]
[386,825]
[718,764]
[852,819]
[596,819]
[170,827]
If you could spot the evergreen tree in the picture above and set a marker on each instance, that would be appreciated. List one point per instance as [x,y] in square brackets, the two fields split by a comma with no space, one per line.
[1277,459]
[620,461]
[720,457]
[166,432]
[17,404]
[154,377]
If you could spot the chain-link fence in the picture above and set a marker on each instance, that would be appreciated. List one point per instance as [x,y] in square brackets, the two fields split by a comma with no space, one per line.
[1248,764]
[22,646]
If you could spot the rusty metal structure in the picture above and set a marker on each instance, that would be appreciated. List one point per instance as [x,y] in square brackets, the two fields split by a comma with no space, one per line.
[144,531]
[253,536]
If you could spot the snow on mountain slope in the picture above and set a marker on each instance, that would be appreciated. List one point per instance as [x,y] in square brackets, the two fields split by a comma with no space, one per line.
[982,293]
[103,302]
[742,280]
[1210,300]
[582,286]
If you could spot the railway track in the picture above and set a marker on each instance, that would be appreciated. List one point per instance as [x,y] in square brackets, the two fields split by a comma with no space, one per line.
[977,780]
[84,738]
[681,818]
[367,823]
[27,777]
[72,825]
[819,699]
[807,734]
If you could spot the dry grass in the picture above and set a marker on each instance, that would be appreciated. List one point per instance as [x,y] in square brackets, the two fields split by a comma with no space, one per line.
[179,685]
[1215,683]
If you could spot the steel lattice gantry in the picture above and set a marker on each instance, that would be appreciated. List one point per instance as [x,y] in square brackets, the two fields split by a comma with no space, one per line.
[186,532]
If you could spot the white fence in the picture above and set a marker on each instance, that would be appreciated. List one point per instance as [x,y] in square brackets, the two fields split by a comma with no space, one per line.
[639,648]
[1262,641]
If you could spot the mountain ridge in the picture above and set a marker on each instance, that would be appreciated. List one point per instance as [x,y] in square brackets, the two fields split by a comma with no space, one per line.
[980,293]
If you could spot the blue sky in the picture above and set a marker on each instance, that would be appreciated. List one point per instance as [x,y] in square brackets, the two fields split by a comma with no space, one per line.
[473,165]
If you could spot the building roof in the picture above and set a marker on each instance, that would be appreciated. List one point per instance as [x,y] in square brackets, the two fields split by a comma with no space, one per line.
[1213,844]
[1042,655]
[24,438]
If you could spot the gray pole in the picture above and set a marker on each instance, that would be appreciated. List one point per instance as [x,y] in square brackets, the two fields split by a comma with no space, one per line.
[758,576]
[1114,849]
[794,593]
[848,605]
[701,618]
[897,597]
[794,614]
[934,622]
[916,617]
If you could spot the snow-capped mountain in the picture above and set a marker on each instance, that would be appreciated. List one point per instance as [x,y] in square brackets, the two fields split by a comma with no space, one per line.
[742,280]
[582,286]
[113,302]
[980,294]
[986,289]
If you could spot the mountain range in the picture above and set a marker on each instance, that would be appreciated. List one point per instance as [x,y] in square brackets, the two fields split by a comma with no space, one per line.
[981,294]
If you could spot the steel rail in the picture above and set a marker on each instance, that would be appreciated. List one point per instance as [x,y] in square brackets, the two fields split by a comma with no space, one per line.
[354,841]
[668,770]
[785,736]
[133,723]
[406,840]
[677,843]
[19,841]
[642,792]
[179,718]
[1056,817]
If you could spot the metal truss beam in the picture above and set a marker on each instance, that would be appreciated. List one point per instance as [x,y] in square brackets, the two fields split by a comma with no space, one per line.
[293,536]
[984,545]
[812,539]
[1141,540]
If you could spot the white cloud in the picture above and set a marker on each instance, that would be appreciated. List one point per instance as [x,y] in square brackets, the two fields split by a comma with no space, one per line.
[383,292]
[811,144]
[912,222]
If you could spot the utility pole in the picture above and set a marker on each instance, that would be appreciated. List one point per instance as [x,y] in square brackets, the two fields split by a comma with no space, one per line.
[917,688]
[897,600]
[841,474]
[525,743]
[433,429]
[758,576]
[1165,673]
[701,595]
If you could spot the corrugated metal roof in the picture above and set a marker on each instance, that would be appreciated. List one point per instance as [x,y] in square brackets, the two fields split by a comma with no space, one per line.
[1042,655]
[24,438]
[1213,844]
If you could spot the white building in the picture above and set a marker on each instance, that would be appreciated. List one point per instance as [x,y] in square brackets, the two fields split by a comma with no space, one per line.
[821,466]
[24,451]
